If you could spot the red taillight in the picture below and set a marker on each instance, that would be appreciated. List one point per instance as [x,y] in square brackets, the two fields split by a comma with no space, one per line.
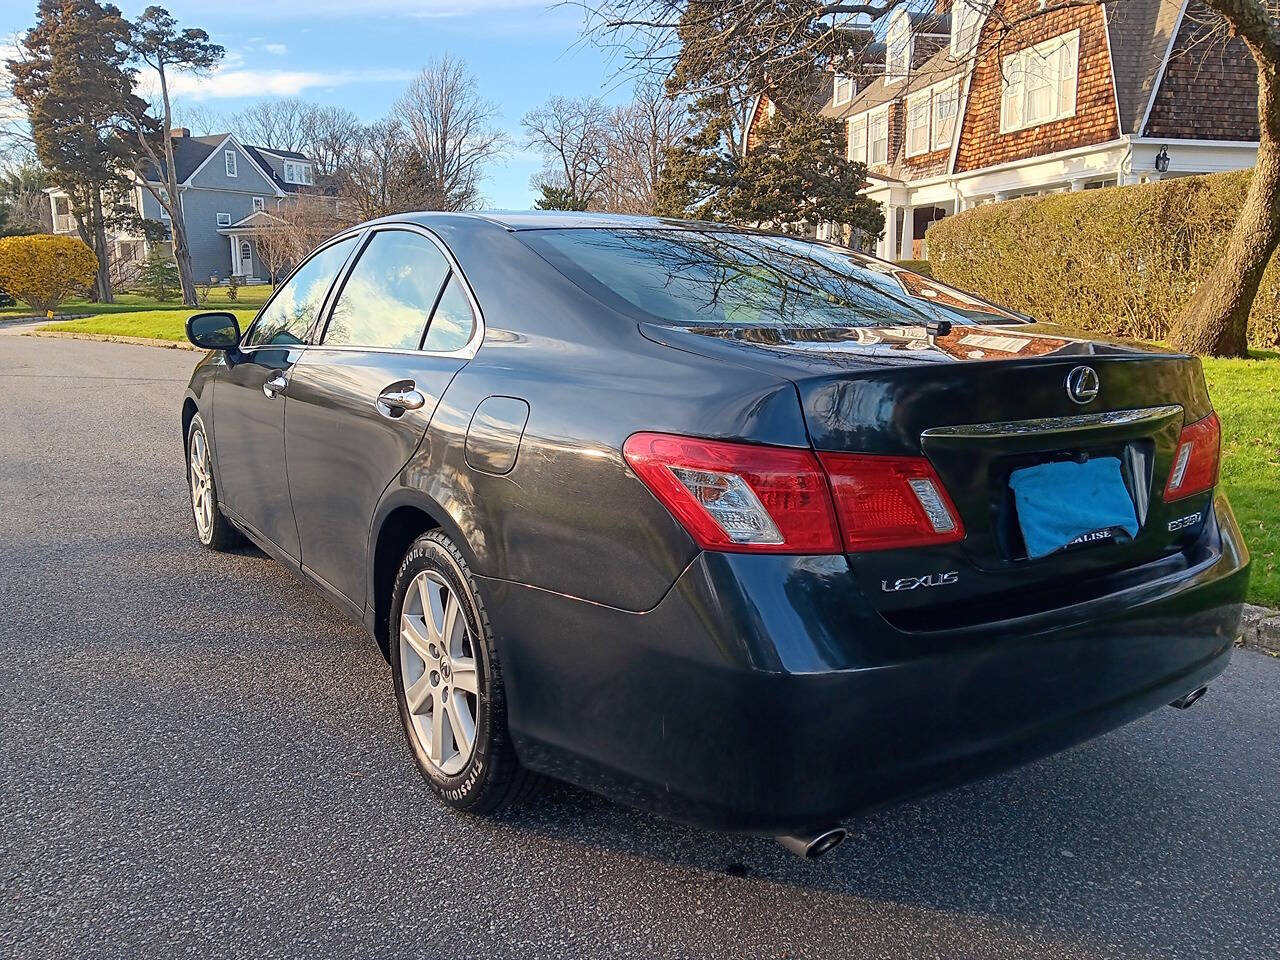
[738,496]
[888,502]
[755,499]
[1195,462]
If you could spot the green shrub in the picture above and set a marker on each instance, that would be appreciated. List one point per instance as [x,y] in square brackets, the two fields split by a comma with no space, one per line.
[917,266]
[1121,260]
[159,276]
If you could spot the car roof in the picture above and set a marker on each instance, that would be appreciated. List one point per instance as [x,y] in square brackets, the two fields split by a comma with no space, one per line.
[516,220]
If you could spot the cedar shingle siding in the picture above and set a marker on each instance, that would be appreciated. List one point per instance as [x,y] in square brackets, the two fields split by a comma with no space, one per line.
[981,142]
[1210,88]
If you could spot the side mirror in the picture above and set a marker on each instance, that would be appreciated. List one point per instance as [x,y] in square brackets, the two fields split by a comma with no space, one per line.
[213,331]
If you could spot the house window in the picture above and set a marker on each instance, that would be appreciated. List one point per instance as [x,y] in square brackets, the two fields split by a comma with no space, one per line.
[878,137]
[259,203]
[966,21]
[246,252]
[1039,83]
[299,173]
[918,125]
[858,139]
[844,90]
[229,159]
[897,58]
[946,105]
[224,219]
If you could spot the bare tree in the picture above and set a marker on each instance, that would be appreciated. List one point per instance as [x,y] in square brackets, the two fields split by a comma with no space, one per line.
[640,134]
[572,136]
[201,119]
[452,130]
[375,181]
[277,124]
[329,135]
[288,234]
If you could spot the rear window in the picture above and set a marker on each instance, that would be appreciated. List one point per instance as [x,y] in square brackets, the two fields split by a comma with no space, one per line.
[715,278]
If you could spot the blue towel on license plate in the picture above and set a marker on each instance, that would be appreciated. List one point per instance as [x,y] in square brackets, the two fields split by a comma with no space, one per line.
[1058,502]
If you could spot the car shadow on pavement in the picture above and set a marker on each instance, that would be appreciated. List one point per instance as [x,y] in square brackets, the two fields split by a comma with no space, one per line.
[1111,838]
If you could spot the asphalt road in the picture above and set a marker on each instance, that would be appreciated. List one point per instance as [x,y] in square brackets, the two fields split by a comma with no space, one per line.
[200,757]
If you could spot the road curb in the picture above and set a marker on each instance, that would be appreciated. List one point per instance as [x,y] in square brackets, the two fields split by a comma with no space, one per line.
[112,338]
[1260,629]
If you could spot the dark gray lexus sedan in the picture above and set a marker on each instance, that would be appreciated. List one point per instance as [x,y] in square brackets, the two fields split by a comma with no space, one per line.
[752,531]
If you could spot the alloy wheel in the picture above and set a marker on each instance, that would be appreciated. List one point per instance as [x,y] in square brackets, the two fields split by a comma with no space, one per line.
[438,667]
[201,475]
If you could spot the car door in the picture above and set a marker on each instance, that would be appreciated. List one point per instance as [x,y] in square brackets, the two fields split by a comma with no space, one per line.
[249,400]
[402,324]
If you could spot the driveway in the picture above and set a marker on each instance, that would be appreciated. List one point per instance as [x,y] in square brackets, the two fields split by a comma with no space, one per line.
[200,757]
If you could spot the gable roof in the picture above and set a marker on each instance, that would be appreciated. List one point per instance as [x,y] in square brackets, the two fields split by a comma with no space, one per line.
[1141,34]
[192,153]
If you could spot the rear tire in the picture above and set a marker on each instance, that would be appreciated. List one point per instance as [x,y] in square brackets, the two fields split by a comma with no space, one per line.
[213,529]
[448,681]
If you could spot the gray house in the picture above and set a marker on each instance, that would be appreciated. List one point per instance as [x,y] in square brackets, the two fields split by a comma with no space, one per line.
[222,183]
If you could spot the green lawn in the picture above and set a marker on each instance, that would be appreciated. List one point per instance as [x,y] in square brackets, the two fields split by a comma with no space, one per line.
[1246,394]
[248,296]
[169,324]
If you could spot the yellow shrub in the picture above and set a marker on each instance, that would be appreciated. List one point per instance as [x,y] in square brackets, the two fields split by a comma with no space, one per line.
[43,270]
[1122,260]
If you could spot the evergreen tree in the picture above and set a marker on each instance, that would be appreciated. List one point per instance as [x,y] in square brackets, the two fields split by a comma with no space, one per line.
[159,276]
[557,198]
[75,85]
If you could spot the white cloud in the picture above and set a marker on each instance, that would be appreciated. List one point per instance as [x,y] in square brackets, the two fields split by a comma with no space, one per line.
[279,49]
[225,84]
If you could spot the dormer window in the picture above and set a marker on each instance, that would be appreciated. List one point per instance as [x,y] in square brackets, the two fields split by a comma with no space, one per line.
[966,22]
[897,42]
[845,88]
[229,159]
[297,173]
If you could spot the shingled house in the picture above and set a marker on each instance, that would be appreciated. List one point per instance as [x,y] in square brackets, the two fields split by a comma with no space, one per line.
[225,188]
[970,110]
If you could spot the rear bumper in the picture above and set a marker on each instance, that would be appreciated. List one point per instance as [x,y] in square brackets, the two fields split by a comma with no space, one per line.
[764,694]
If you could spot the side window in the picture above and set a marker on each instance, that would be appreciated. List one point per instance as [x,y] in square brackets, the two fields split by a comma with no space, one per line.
[289,315]
[453,322]
[388,294]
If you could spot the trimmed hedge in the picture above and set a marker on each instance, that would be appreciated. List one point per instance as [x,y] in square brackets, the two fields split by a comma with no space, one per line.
[1121,260]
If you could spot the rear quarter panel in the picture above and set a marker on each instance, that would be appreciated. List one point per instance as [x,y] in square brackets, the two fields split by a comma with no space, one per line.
[570,516]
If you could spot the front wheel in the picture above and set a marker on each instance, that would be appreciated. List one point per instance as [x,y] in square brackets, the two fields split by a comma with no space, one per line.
[448,681]
[213,529]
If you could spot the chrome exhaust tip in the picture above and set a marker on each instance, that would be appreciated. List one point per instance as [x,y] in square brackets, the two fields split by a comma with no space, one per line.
[1185,701]
[810,846]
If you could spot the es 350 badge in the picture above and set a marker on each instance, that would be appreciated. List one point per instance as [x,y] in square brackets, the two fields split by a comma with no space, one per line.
[914,583]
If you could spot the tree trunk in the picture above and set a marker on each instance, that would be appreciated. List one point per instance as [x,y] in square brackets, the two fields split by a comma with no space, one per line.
[1215,322]
[102,283]
[182,256]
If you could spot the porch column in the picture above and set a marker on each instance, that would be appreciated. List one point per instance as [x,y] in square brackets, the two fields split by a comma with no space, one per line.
[1077,184]
[235,254]
[890,242]
[908,233]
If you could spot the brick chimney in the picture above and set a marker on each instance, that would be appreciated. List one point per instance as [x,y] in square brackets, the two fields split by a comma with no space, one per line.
[180,132]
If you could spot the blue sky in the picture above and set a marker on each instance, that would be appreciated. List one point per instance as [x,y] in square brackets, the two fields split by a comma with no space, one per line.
[360,54]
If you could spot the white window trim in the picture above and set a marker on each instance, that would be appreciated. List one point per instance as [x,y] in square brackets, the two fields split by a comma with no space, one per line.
[259,204]
[849,89]
[1041,51]
[962,46]
[900,21]
[223,219]
[231,163]
[926,97]
[859,120]
[953,85]
[875,115]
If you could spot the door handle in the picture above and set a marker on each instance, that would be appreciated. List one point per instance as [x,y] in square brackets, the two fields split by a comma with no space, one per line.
[399,397]
[275,385]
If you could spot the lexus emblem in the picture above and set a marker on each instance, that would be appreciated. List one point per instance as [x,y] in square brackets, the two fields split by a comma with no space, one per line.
[1082,384]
